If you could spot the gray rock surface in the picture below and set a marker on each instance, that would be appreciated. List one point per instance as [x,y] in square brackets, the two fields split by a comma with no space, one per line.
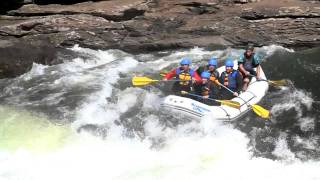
[150,25]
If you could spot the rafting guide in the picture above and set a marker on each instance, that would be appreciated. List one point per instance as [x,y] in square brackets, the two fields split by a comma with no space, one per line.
[247,62]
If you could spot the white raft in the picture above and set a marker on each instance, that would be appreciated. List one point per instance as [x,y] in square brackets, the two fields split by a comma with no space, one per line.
[186,106]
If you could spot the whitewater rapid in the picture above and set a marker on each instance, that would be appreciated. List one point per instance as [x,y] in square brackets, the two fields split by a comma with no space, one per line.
[84,120]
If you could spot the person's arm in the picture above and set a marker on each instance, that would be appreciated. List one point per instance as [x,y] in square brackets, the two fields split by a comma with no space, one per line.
[240,65]
[217,78]
[220,79]
[217,82]
[197,77]
[242,70]
[170,74]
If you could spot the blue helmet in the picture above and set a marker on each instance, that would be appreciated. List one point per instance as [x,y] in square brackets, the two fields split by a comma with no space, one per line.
[212,61]
[185,61]
[205,74]
[229,62]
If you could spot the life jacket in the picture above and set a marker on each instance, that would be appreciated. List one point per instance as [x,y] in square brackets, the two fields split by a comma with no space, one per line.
[185,76]
[231,78]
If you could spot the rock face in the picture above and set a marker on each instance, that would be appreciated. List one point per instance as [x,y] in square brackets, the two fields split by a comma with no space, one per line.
[150,25]
[17,57]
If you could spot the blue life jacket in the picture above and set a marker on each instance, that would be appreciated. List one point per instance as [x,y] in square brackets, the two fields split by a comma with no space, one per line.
[232,79]
[182,75]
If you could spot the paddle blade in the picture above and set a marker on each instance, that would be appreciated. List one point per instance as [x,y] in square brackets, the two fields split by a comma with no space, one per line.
[140,81]
[230,103]
[260,111]
[282,82]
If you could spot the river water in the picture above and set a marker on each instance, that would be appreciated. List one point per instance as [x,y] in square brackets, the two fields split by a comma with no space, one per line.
[84,120]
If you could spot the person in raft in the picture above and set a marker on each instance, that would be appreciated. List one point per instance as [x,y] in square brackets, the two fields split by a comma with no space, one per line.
[185,77]
[207,89]
[231,80]
[211,68]
[246,63]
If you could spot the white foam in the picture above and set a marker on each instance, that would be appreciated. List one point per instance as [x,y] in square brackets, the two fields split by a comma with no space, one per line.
[36,70]
[294,100]
[307,143]
[152,126]
[191,150]
[271,49]
[221,154]
[197,55]
[307,123]
[151,101]
[95,109]
[281,150]
[126,101]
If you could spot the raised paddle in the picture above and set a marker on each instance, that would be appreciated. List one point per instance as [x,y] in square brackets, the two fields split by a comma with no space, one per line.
[230,103]
[142,80]
[281,82]
[260,111]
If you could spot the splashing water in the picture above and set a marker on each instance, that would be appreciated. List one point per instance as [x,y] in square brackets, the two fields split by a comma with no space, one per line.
[119,132]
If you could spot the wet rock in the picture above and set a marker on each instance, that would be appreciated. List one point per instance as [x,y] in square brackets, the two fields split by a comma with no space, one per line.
[281,12]
[139,26]
[110,10]
[17,57]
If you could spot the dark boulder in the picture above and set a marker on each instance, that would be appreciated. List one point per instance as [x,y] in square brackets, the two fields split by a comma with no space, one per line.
[6,5]
[17,57]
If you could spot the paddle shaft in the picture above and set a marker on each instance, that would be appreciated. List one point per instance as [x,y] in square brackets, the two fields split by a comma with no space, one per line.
[174,80]
[275,83]
[233,93]
[227,88]
[191,94]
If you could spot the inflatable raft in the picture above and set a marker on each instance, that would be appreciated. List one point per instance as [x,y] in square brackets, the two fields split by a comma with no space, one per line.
[186,106]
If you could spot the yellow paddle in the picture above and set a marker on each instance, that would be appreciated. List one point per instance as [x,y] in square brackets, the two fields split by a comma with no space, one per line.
[142,80]
[281,82]
[230,103]
[260,111]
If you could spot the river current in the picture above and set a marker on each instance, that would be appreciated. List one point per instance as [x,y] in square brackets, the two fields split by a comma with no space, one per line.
[83,119]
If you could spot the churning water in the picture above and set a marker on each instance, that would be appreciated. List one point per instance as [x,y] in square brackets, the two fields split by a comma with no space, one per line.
[84,120]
